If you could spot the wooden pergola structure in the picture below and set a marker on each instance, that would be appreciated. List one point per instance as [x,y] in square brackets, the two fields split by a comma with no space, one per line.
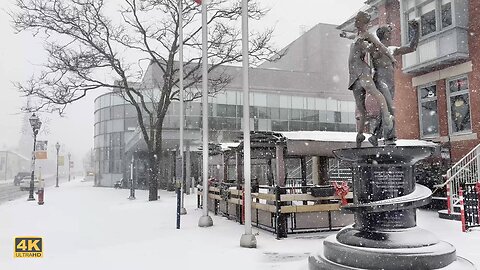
[280,206]
[273,149]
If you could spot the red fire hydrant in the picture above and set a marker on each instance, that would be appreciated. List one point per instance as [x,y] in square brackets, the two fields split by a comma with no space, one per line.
[341,190]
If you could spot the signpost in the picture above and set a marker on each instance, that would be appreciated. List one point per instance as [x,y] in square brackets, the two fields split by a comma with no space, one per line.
[41,150]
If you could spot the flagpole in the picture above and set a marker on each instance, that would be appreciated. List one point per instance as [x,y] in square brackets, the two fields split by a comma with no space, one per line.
[205,219]
[248,239]
[183,211]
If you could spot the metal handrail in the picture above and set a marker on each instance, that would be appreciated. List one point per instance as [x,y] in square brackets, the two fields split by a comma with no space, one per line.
[466,170]
[459,171]
[462,159]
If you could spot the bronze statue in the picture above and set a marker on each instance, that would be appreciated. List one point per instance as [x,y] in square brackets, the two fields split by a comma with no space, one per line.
[361,80]
[384,74]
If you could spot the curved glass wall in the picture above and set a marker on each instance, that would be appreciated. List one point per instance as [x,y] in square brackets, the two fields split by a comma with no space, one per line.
[115,119]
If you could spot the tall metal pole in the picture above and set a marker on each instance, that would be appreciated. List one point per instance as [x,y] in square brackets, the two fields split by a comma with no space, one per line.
[57,146]
[205,219]
[69,165]
[30,195]
[247,240]
[6,164]
[183,211]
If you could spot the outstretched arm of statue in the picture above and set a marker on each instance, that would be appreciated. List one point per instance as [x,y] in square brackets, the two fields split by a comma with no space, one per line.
[415,26]
[344,34]
[379,45]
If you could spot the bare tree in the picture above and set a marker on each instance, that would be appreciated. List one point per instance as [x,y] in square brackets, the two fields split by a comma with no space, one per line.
[93,44]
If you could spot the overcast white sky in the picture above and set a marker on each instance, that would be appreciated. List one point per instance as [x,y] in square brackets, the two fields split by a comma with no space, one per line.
[21,54]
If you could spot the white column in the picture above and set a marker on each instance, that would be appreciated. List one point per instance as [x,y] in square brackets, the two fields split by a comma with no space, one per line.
[205,219]
[248,239]
[183,211]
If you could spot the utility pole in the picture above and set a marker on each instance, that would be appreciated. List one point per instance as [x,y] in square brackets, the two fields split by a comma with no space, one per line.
[57,146]
[69,165]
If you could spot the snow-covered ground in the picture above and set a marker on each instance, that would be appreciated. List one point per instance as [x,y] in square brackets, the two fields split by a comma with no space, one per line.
[98,228]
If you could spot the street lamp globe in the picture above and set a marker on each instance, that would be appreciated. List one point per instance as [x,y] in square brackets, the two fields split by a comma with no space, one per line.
[35,123]
[57,146]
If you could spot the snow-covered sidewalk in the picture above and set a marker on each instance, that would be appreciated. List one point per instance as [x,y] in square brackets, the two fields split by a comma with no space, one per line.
[98,228]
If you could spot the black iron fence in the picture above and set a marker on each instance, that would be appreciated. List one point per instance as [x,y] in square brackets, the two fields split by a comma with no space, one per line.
[471,197]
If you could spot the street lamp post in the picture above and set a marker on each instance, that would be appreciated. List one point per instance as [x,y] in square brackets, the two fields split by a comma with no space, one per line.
[36,124]
[69,165]
[57,146]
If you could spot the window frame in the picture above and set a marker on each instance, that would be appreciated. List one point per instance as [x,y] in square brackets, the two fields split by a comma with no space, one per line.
[438,19]
[435,12]
[458,93]
[440,6]
[420,117]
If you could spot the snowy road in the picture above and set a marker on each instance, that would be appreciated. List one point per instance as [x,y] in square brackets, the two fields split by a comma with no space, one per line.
[98,228]
[10,192]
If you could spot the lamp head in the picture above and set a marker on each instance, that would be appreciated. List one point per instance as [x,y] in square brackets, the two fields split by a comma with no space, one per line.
[33,120]
[57,146]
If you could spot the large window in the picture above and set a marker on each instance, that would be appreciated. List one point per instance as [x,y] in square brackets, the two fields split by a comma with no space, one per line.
[428,111]
[459,105]
[434,15]
[118,112]
[446,12]
[428,20]
[226,110]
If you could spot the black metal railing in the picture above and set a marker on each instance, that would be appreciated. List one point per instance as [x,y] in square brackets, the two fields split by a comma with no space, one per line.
[471,204]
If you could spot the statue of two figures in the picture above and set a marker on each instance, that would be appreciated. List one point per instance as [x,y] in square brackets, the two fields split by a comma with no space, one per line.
[377,78]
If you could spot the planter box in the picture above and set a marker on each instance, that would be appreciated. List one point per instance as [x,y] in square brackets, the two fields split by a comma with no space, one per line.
[322,191]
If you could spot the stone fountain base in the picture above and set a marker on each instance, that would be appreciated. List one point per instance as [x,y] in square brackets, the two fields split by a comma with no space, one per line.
[385,235]
[338,256]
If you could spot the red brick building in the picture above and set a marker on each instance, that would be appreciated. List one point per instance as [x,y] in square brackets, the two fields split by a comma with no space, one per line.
[437,93]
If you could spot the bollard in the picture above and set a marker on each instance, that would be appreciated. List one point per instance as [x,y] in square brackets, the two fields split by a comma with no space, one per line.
[462,211]
[40,196]
[41,190]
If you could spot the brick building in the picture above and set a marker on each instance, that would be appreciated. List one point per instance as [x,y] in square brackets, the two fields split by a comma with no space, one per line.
[437,94]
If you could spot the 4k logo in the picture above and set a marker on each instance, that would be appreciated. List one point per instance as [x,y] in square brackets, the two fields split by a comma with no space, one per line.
[28,247]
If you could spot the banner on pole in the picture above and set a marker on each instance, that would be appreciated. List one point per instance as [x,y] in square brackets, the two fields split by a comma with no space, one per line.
[61,160]
[41,150]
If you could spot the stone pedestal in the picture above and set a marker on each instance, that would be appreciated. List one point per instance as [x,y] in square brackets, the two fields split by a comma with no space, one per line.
[385,234]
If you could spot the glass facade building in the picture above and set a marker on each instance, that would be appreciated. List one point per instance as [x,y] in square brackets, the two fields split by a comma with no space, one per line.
[116,121]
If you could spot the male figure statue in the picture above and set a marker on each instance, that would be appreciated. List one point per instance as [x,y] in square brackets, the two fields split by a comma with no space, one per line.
[384,75]
[361,80]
